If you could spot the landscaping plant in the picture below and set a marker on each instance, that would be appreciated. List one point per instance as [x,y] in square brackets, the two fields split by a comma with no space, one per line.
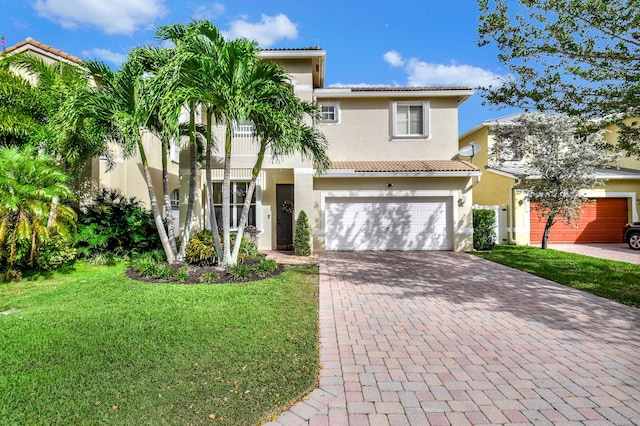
[113,223]
[484,234]
[301,242]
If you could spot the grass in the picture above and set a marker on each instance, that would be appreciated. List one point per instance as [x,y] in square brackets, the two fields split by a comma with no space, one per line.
[619,281]
[93,347]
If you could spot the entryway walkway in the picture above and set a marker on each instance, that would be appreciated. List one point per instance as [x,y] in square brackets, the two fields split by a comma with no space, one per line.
[412,338]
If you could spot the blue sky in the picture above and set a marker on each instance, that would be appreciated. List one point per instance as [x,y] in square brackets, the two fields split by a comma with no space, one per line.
[412,43]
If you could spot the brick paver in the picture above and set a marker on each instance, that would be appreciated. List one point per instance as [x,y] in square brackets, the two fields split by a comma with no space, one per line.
[448,338]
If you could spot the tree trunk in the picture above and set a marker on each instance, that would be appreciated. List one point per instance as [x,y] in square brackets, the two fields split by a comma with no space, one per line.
[162,232]
[247,203]
[193,158]
[226,199]
[547,229]
[211,213]
[168,211]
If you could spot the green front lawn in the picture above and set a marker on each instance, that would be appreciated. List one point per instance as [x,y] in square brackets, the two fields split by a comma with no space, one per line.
[619,281]
[93,347]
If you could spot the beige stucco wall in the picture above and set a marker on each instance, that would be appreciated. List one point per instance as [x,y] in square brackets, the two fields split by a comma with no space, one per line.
[364,131]
[127,174]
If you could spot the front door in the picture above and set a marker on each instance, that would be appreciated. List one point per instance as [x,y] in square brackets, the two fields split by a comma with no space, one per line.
[284,216]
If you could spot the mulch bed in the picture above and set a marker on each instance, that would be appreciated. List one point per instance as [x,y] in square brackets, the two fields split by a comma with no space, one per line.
[196,272]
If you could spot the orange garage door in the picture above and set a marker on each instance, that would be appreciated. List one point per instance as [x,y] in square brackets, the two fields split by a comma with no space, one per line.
[600,222]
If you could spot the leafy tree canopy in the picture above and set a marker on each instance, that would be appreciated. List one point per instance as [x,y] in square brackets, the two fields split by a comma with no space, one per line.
[578,57]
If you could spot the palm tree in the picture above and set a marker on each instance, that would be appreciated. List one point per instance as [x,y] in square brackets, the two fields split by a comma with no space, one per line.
[233,84]
[281,124]
[125,99]
[195,65]
[30,184]
[57,123]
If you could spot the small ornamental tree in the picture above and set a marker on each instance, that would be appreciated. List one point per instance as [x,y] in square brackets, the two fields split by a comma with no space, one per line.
[557,163]
[484,234]
[301,243]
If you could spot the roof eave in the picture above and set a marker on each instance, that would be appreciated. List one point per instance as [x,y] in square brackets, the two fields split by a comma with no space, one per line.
[347,93]
[344,173]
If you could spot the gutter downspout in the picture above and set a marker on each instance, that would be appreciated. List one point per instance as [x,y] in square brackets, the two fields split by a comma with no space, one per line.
[512,231]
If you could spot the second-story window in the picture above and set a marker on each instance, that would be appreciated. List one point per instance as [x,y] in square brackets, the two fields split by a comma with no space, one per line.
[329,112]
[410,119]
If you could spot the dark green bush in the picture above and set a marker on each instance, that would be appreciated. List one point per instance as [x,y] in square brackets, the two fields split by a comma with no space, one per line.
[115,224]
[484,235]
[265,267]
[239,272]
[301,243]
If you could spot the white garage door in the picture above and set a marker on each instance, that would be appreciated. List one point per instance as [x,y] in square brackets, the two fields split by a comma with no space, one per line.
[384,223]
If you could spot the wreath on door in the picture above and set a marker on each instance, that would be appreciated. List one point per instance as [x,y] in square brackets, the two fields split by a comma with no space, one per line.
[287,206]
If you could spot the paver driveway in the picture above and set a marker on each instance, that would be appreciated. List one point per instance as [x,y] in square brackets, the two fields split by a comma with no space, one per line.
[448,338]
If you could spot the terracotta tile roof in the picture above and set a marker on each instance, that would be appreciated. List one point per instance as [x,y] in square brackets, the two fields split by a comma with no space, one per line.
[45,47]
[404,166]
[406,89]
[276,49]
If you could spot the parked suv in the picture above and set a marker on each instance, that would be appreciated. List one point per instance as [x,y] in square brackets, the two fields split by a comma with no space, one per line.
[631,235]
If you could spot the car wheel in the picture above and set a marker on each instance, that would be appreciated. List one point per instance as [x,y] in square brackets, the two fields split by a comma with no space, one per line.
[634,241]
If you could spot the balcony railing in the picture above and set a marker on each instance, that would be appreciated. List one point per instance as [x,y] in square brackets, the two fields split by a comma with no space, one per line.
[244,142]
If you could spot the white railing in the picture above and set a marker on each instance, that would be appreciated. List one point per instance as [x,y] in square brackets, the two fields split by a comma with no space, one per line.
[244,142]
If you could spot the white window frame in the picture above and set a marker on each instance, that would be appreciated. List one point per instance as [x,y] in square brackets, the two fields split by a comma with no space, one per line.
[426,125]
[174,151]
[336,112]
[235,204]
[175,199]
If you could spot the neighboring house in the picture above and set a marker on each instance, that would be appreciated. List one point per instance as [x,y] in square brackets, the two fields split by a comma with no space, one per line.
[394,183]
[125,174]
[602,220]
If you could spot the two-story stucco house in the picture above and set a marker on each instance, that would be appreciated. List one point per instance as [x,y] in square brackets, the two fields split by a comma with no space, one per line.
[601,220]
[395,182]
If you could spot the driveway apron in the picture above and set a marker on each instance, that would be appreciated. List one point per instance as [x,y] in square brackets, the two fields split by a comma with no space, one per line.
[447,338]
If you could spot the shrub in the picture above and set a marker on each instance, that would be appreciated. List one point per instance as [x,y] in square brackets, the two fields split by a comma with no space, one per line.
[301,244]
[56,252]
[115,224]
[239,272]
[265,267]
[484,235]
[182,274]
[10,275]
[210,278]
[201,250]
[106,259]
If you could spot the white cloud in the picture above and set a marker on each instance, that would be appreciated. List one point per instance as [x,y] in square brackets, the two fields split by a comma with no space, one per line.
[421,73]
[111,17]
[268,31]
[393,58]
[209,11]
[105,55]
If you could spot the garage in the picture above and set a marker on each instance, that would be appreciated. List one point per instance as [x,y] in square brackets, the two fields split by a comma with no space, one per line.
[601,221]
[388,223]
